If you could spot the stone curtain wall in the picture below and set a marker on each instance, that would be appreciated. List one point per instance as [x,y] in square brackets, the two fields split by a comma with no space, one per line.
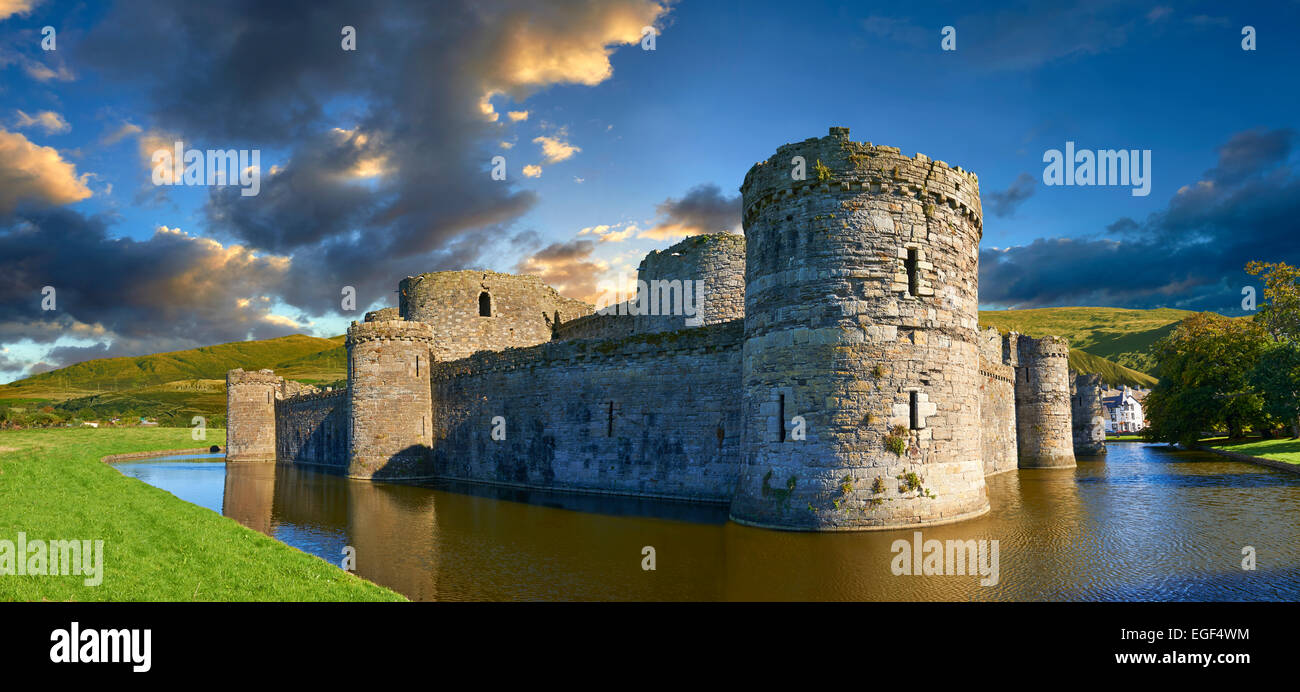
[998,448]
[524,310]
[1087,414]
[389,426]
[653,415]
[313,429]
[596,326]
[883,366]
[716,260]
[250,415]
[1044,430]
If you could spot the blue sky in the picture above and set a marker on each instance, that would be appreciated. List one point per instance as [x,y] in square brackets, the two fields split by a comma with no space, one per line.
[375,162]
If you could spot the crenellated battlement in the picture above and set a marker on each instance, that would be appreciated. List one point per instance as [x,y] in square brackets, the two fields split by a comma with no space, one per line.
[384,315]
[389,330]
[837,165]
[240,376]
[318,395]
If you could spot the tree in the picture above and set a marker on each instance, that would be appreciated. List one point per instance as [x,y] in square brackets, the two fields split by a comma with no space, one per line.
[1205,366]
[1281,315]
[1276,377]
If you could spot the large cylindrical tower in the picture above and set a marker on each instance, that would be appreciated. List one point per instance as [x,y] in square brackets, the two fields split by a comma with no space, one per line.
[861,366]
[390,423]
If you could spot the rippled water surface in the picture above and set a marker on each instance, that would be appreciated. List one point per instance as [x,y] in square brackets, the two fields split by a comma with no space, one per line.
[1142,523]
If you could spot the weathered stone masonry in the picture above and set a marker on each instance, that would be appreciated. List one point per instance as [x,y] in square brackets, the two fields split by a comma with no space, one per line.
[834,377]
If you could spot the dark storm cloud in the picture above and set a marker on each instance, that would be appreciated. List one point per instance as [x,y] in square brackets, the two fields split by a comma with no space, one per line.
[388,146]
[1189,255]
[172,290]
[703,209]
[1004,203]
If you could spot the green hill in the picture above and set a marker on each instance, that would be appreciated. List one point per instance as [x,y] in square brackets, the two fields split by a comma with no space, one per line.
[206,363]
[1112,374]
[1118,335]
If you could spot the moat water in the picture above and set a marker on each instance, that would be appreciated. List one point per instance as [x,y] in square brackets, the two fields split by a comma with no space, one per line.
[1142,523]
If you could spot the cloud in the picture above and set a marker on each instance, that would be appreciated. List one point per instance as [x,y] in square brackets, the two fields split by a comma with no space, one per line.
[1188,255]
[569,267]
[51,122]
[9,8]
[516,116]
[703,209]
[610,233]
[555,150]
[121,133]
[172,290]
[35,175]
[532,171]
[416,194]
[1018,38]
[1006,201]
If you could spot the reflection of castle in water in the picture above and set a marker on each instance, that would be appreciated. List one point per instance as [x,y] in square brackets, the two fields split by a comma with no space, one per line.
[837,379]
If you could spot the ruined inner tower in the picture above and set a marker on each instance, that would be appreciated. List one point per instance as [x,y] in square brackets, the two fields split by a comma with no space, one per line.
[860,365]
[250,415]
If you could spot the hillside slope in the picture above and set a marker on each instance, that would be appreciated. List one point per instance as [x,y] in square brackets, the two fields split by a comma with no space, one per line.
[1119,335]
[206,363]
[1112,374]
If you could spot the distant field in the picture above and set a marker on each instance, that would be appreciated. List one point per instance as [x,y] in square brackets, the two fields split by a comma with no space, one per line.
[208,363]
[173,387]
[1121,336]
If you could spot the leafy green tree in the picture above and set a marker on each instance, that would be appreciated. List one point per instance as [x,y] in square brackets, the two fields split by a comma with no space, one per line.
[1205,366]
[1281,315]
[1276,377]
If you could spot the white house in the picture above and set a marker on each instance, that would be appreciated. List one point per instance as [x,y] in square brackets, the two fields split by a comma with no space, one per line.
[1123,412]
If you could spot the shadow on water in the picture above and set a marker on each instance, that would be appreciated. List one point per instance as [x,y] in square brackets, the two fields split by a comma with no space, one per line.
[1143,522]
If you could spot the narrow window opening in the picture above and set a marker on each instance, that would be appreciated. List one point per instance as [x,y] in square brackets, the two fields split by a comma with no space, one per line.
[417,366]
[484,304]
[609,423]
[781,413]
[916,410]
[913,278]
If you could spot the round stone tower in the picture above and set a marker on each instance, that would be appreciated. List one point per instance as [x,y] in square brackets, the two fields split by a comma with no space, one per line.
[250,415]
[860,365]
[390,418]
[1044,427]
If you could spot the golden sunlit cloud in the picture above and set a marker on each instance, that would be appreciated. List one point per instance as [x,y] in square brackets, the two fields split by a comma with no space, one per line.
[555,150]
[33,173]
[49,121]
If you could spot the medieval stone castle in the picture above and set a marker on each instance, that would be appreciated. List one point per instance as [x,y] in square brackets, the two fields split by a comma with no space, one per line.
[834,376]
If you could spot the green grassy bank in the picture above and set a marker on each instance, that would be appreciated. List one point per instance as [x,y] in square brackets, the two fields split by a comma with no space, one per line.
[156,546]
[1285,450]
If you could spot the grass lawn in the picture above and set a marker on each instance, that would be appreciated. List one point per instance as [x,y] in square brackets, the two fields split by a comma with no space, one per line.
[1127,437]
[156,547]
[1284,449]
